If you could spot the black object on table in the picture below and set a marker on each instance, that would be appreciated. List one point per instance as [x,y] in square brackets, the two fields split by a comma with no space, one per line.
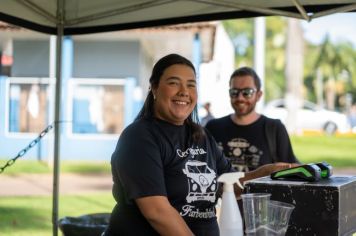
[324,207]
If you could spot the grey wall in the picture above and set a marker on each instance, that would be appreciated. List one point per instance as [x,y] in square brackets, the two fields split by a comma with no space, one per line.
[31,58]
[106,59]
[147,63]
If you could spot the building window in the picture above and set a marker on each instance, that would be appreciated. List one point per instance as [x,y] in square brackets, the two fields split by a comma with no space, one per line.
[97,106]
[28,106]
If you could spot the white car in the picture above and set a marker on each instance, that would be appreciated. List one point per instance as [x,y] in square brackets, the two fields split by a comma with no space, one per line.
[309,117]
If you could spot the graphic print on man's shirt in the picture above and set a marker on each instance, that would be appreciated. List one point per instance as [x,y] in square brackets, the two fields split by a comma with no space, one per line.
[242,154]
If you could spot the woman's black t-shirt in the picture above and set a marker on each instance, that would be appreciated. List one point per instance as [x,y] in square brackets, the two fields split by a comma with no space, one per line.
[156,158]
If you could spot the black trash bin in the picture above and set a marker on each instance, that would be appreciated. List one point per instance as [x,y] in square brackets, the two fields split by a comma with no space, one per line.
[85,225]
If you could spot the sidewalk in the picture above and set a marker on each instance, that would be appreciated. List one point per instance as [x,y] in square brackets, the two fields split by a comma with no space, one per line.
[41,184]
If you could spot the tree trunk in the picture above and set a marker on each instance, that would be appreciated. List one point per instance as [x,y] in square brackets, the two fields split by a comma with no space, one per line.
[319,88]
[330,94]
[294,72]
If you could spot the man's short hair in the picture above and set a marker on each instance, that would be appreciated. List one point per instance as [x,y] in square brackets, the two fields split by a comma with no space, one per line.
[247,71]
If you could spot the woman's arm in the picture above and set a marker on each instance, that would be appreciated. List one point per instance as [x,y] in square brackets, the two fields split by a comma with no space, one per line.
[162,216]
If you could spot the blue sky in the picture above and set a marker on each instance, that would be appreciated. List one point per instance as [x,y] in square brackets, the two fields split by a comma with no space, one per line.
[341,27]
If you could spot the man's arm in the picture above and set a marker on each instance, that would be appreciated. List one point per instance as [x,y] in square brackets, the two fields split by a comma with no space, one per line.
[262,171]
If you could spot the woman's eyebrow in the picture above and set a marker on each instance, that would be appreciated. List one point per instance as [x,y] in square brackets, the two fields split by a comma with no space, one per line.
[194,81]
[173,78]
[176,78]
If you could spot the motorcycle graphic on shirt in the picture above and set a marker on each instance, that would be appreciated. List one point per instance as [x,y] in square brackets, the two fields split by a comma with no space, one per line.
[201,180]
[242,154]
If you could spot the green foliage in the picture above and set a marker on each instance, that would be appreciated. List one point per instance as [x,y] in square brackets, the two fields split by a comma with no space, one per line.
[333,60]
[275,57]
[241,34]
[32,216]
[309,71]
[348,55]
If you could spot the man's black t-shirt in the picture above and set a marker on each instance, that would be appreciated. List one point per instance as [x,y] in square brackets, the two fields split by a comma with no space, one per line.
[156,158]
[246,145]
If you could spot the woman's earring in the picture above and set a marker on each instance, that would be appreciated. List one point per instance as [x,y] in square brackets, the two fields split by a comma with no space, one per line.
[154,97]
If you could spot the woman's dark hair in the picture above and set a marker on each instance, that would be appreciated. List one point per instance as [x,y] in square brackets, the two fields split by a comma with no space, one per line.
[147,110]
[247,71]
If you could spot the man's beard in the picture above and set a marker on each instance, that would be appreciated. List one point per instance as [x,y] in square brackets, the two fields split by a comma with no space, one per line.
[250,109]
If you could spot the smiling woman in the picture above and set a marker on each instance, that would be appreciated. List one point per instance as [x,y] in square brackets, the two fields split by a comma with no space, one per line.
[165,166]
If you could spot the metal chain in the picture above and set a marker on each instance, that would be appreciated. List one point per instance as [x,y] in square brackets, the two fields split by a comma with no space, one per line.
[26,149]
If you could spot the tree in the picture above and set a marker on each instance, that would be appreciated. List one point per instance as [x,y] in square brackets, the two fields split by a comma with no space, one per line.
[328,63]
[334,69]
[241,32]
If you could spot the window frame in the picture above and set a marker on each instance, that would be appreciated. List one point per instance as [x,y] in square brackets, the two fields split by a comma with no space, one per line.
[72,83]
[27,80]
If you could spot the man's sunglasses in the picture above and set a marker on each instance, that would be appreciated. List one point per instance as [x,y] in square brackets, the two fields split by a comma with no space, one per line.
[246,92]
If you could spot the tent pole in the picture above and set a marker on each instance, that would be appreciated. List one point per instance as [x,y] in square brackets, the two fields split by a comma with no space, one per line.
[56,166]
[57,117]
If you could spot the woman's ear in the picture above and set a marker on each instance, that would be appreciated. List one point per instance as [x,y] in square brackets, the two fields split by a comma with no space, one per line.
[154,92]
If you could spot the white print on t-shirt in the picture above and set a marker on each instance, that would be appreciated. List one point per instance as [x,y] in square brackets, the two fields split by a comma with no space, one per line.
[201,181]
[242,154]
[192,151]
[189,210]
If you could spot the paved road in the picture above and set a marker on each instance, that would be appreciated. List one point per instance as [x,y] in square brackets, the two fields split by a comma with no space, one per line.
[41,184]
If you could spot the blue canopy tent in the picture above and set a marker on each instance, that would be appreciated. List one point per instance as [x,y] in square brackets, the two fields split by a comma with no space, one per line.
[61,17]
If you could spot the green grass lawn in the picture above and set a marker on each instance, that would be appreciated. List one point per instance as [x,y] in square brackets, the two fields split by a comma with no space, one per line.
[28,166]
[338,151]
[32,216]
